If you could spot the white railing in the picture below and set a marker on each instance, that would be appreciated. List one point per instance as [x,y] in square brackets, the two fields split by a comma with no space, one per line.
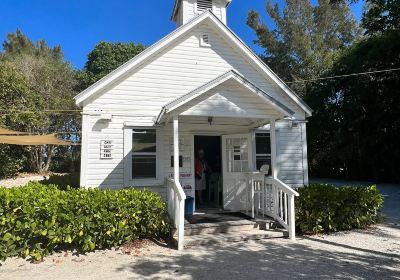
[176,209]
[272,197]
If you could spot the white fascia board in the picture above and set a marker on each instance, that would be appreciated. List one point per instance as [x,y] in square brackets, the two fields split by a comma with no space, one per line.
[232,74]
[258,62]
[124,68]
[120,71]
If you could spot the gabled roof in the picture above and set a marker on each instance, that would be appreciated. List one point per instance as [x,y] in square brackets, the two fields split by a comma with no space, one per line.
[232,74]
[152,50]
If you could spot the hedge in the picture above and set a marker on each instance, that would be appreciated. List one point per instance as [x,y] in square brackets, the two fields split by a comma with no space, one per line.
[37,220]
[327,208]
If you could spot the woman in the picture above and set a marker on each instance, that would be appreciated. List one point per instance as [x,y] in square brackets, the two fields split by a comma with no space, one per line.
[201,167]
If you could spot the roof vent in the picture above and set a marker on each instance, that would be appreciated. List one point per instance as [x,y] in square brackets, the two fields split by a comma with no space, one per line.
[205,40]
[203,5]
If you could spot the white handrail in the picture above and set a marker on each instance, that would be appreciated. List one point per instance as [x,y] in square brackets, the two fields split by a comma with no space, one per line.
[274,198]
[176,209]
[178,188]
[285,187]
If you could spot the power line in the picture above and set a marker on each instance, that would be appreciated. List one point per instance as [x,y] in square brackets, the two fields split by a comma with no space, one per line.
[72,111]
[344,76]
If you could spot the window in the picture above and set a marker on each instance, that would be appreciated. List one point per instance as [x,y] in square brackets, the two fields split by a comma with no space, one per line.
[263,150]
[237,155]
[144,154]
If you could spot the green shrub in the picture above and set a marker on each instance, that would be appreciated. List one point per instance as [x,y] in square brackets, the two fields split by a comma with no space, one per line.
[12,161]
[37,220]
[327,208]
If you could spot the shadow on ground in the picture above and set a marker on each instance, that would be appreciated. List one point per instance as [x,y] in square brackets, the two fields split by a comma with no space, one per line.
[269,260]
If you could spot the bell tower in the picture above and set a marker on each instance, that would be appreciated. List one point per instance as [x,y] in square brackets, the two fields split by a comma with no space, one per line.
[185,10]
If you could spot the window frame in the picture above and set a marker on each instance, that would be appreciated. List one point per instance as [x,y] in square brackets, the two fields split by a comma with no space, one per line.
[129,181]
[262,131]
[203,43]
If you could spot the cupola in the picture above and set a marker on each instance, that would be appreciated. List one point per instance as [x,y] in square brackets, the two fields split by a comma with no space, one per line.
[185,10]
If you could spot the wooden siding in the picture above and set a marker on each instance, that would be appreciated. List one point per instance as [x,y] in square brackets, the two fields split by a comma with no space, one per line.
[178,70]
[290,154]
[138,98]
[107,173]
[230,99]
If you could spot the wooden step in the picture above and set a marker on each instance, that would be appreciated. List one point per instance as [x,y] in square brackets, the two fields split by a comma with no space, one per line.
[219,227]
[218,238]
[229,226]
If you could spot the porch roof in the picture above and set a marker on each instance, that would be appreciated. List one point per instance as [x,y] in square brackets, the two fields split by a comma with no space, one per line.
[198,95]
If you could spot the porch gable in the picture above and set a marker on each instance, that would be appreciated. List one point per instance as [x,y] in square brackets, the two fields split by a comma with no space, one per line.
[229,95]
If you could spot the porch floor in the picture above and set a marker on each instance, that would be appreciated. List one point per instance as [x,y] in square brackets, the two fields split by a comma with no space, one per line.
[217,221]
[213,215]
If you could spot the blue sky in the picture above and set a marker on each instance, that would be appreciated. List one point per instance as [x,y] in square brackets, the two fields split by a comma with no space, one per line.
[77,25]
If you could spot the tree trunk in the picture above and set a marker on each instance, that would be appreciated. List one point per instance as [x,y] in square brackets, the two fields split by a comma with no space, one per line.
[50,153]
[42,157]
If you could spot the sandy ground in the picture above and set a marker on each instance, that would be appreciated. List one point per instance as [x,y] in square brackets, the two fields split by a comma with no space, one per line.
[25,178]
[369,254]
[361,254]
[21,180]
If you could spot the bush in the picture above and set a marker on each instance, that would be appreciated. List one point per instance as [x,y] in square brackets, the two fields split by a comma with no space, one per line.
[37,220]
[12,161]
[327,208]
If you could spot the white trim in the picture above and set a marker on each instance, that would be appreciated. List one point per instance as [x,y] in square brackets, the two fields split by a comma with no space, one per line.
[202,42]
[255,147]
[147,182]
[193,167]
[274,164]
[230,75]
[224,163]
[175,127]
[257,61]
[84,150]
[253,143]
[279,160]
[305,152]
[124,68]
[120,71]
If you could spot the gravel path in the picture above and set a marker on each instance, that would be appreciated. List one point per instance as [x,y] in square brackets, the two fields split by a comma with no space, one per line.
[370,254]
[21,180]
[361,254]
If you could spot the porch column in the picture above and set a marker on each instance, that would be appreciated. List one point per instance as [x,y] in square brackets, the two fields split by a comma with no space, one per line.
[176,148]
[274,165]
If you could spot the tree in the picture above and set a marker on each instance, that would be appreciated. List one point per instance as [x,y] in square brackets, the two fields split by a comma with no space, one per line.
[381,16]
[51,82]
[14,97]
[104,58]
[355,129]
[306,39]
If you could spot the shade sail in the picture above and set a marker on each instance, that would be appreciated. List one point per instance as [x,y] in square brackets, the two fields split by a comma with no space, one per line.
[4,131]
[33,140]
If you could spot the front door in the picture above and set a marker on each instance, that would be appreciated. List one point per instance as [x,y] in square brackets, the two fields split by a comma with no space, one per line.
[236,161]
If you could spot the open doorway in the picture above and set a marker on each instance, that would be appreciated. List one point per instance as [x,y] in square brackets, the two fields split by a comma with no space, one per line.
[208,162]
